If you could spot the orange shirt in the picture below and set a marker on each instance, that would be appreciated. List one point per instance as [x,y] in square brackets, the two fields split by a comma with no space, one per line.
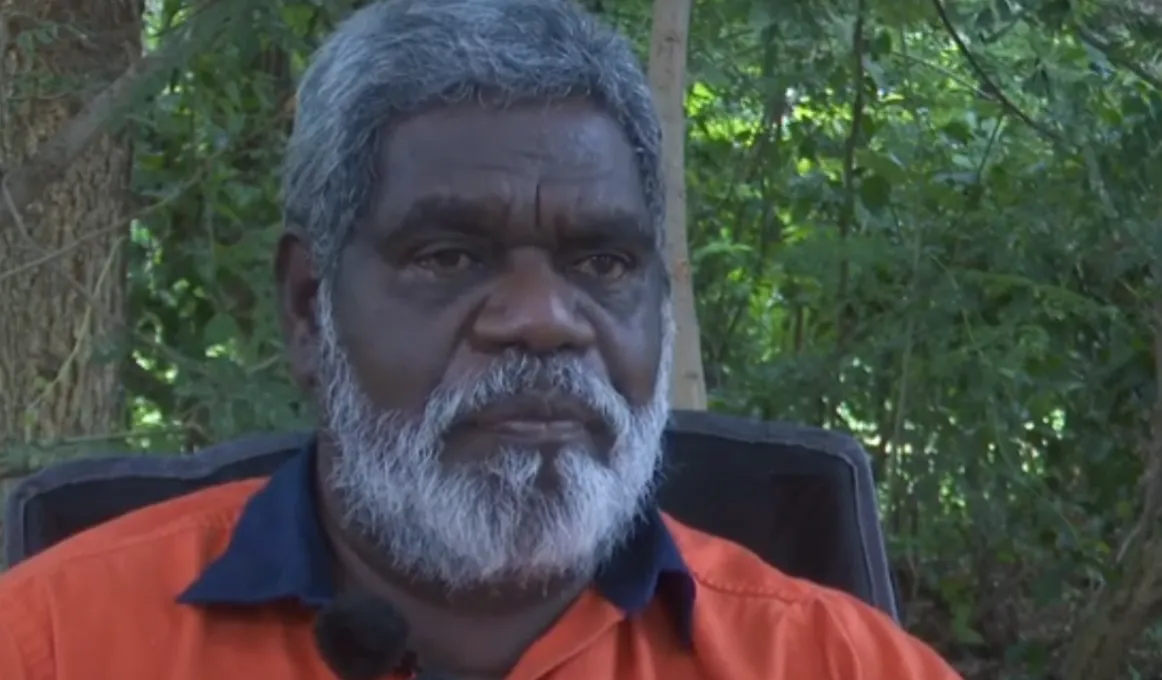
[224,584]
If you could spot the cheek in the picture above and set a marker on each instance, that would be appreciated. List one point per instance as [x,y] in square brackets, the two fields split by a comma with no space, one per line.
[631,353]
[398,353]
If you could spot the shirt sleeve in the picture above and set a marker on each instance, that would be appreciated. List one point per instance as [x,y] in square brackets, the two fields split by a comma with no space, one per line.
[863,643]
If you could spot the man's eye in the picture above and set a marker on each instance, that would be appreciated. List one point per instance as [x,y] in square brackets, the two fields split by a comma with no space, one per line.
[605,266]
[446,261]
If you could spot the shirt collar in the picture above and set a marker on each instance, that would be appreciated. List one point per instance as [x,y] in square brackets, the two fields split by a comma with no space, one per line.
[278,552]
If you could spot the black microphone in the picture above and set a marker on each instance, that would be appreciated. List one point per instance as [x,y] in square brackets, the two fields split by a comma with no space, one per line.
[361,637]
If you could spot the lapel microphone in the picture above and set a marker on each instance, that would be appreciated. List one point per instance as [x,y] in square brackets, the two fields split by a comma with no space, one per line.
[361,637]
[364,638]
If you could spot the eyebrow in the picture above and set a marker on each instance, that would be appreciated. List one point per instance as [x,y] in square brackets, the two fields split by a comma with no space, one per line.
[448,213]
[478,217]
[610,225]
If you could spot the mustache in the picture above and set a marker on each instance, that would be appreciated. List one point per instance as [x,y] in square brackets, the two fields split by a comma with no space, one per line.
[515,374]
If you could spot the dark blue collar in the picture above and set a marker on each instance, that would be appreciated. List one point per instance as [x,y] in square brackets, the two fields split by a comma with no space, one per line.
[278,552]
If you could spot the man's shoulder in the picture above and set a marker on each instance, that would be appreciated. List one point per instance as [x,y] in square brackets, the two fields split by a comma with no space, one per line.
[107,598]
[743,602]
[728,569]
[162,543]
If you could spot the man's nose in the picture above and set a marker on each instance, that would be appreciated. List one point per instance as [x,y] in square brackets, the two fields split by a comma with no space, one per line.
[533,308]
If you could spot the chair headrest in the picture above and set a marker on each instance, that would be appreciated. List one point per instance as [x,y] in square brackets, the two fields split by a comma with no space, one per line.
[81,493]
[801,497]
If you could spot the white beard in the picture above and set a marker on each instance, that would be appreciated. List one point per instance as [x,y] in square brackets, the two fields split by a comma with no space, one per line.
[467,524]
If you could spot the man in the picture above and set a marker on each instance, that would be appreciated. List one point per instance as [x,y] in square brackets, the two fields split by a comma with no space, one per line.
[471,287]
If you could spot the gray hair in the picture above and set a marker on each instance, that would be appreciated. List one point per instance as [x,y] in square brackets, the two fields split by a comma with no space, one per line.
[397,57]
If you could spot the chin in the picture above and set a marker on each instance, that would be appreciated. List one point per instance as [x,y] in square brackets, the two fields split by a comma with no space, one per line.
[513,514]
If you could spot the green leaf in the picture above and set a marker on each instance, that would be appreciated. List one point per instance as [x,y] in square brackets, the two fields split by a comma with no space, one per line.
[220,330]
[875,192]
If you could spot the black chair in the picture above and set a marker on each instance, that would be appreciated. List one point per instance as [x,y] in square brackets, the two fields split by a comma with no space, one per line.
[800,497]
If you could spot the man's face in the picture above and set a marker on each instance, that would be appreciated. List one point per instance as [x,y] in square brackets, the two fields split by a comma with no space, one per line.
[493,352]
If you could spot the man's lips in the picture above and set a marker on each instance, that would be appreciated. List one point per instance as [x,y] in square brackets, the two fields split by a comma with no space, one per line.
[533,416]
[537,429]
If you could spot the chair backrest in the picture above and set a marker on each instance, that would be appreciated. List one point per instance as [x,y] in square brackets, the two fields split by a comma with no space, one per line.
[801,498]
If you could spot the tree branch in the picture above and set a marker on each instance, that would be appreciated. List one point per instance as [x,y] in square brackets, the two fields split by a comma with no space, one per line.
[100,115]
[987,85]
[1115,56]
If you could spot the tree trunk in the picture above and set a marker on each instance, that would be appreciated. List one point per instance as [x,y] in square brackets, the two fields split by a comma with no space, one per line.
[61,259]
[667,73]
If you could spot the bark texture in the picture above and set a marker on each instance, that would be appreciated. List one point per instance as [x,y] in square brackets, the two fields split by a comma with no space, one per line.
[62,278]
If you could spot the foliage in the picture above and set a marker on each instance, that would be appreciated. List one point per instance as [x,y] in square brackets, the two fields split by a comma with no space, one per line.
[931,225]
[943,243]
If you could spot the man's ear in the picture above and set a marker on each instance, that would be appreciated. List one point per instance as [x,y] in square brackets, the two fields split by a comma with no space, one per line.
[297,282]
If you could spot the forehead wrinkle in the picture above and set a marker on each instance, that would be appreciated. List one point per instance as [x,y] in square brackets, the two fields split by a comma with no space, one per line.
[539,222]
[559,207]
